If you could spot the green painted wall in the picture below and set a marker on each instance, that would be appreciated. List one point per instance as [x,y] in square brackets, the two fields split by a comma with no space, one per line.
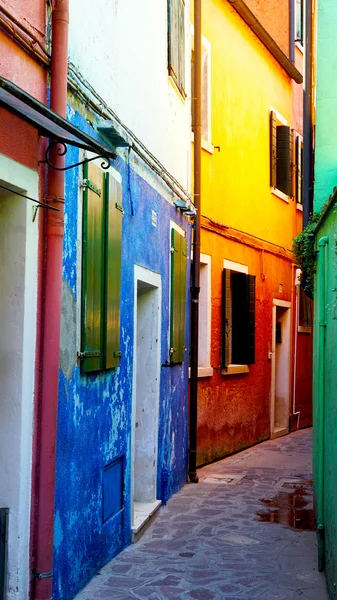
[326,102]
[325,407]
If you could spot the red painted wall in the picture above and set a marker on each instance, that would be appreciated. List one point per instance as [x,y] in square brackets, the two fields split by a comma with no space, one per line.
[234,410]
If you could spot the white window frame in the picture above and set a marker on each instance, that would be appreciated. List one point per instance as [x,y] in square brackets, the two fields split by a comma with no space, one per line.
[205,316]
[275,191]
[206,142]
[234,369]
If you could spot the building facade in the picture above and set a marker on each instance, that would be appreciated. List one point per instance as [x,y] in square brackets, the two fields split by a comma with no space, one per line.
[22,30]
[122,417]
[255,347]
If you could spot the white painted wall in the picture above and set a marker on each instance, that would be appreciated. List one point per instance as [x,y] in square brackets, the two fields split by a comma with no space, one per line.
[120,46]
[18,276]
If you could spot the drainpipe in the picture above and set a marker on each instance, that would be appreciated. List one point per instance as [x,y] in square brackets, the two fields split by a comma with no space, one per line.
[195,289]
[320,398]
[297,300]
[292,31]
[51,317]
[308,163]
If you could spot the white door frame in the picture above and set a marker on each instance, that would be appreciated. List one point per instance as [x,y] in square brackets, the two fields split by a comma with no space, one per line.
[282,304]
[153,279]
[16,449]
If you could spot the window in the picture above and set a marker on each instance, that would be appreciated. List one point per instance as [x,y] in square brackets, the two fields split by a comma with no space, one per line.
[305,311]
[101,269]
[298,169]
[206,91]
[176,43]
[299,21]
[204,345]
[280,154]
[238,317]
[178,296]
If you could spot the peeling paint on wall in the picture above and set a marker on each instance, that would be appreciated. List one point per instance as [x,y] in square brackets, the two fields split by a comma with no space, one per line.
[95,410]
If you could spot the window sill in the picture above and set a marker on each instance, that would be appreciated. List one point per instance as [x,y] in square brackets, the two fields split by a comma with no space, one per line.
[280,195]
[202,372]
[299,46]
[302,329]
[299,206]
[235,370]
[181,96]
[205,144]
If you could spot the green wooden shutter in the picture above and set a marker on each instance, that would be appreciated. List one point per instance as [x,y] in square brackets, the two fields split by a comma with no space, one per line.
[92,270]
[114,212]
[176,42]
[250,311]
[178,297]
[299,174]
[283,163]
[226,318]
[272,149]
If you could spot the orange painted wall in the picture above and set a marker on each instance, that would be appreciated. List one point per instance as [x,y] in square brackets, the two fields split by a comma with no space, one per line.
[274,16]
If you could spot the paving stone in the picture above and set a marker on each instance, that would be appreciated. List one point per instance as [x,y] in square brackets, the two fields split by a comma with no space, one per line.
[229,552]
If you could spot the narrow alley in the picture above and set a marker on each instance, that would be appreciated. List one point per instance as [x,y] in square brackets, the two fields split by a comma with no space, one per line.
[245,531]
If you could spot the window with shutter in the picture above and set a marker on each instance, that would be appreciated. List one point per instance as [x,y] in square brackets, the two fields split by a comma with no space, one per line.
[176,43]
[299,172]
[101,270]
[280,155]
[206,92]
[299,21]
[238,319]
[178,297]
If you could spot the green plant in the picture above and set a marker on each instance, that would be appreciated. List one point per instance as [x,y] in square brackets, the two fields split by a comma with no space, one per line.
[305,255]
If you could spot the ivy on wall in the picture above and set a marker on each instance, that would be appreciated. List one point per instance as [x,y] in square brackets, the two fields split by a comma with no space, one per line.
[305,254]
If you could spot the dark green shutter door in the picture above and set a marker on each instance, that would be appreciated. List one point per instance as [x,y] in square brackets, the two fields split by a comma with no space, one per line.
[283,163]
[239,319]
[114,213]
[183,264]
[299,153]
[178,296]
[92,270]
[226,317]
[272,149]
[250,311]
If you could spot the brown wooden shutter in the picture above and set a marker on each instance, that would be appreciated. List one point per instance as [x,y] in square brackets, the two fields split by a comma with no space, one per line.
[283,159]
[226,317]
[272,149]
[176,42]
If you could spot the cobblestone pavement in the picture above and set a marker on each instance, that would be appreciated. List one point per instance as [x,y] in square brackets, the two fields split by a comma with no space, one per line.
[208,543]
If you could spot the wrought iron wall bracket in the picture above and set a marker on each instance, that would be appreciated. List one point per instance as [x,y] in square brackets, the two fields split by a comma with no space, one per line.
[62,150]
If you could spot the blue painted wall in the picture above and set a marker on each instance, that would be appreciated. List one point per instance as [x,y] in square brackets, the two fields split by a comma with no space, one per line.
[94,420]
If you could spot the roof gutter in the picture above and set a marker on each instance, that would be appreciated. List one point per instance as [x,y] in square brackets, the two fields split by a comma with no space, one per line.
[263,35]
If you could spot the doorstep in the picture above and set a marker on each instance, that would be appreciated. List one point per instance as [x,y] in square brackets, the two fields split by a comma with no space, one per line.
[143,514]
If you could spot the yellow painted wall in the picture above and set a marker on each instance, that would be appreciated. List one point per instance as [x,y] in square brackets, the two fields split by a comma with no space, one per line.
[246,82]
